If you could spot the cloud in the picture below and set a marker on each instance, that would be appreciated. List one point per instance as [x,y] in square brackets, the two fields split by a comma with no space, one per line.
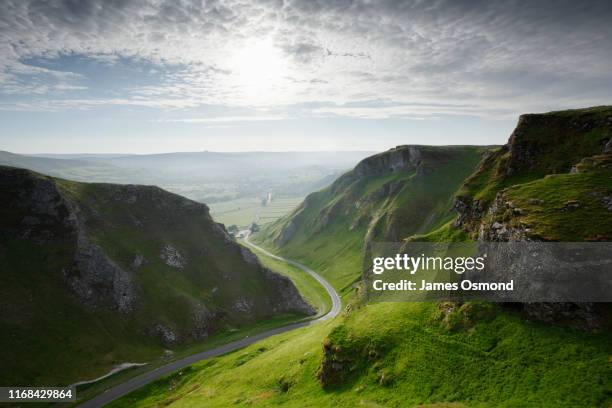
[226,119]
[499,57]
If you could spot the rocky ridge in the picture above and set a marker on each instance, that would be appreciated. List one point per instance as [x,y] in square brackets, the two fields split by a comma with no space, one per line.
[563,144]
[111,277]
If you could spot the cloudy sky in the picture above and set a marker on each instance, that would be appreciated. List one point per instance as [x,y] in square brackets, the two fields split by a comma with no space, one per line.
[168,75]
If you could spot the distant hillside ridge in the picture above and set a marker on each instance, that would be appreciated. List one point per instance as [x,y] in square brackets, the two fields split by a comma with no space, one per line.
[98,274]
[389,196]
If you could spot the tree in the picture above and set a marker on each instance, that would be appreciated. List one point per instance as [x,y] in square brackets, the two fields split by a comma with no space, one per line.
[254,227]
[232,229]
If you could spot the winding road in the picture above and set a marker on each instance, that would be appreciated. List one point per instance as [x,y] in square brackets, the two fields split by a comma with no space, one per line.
[125,388]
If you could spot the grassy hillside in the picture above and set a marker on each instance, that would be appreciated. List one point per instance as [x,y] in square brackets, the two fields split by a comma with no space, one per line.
[392,195]
[401,355]
[551,181]
[94,275]
[431,354]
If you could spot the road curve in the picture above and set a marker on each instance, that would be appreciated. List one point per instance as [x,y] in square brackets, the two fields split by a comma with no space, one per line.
[125,388]
[336,302]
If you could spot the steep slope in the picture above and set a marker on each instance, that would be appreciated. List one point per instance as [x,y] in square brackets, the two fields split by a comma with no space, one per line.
[438,354]
[551,181]
[406,190]
[98,274]
[414,354]
[428,354]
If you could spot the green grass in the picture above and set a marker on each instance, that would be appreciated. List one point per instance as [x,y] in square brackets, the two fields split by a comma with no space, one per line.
[253,376]
[541,145]
[88,391]
[410,354]
[278,208]
[309,288]
[52,338]
[412,357]
[543,206]
[402,355]
[446,233]
[332,224]
[49,338]
[242,212]
[239,212]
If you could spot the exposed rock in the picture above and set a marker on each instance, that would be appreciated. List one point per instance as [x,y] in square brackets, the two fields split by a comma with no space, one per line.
[172,257]
[536,136]
[608,146]
[168,337]
[571,205]
[399,158]
[92,276]
[496,225]
[533,148]
[468,211]
[97,280]
[220,228]
[248,256]
[336,366]
[202,319]
[605,199]
[138,261]
[79,228]
[580,314]
[243,305]
[290,298]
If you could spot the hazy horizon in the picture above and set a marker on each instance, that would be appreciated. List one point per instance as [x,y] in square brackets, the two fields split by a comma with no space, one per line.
[120,153]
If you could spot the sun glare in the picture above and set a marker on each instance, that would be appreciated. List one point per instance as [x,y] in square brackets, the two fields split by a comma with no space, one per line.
[259,69]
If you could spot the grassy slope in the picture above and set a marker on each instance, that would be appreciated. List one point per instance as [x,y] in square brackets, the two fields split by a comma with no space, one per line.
[335,248]
[45,323]
[279,370]
[400,354]
[42,324]
[556,141]
[547,216]
[309,288]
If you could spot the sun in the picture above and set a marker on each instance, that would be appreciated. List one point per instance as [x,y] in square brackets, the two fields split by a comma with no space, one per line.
[259,70]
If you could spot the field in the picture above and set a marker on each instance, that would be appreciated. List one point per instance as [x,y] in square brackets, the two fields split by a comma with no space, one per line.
[242,212]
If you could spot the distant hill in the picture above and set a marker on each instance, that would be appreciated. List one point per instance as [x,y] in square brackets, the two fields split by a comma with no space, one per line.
[78,168]
[93,275]
[202,176]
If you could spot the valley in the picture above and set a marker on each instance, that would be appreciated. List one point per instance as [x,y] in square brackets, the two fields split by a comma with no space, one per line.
[96,275]
[472,354]
[305,204]
[135,383]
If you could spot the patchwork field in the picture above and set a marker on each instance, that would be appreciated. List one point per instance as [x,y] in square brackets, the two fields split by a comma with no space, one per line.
[242,212]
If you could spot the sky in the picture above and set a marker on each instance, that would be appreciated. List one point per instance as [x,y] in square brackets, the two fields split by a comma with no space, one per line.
[147,76]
